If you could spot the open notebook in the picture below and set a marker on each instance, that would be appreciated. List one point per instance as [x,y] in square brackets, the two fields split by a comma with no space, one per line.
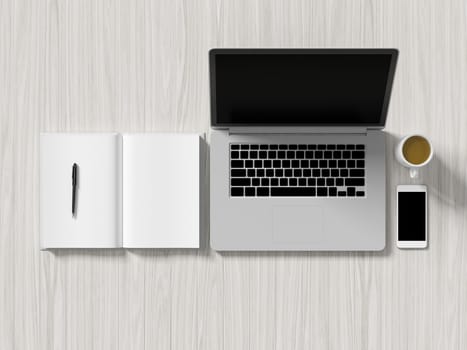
[132,190]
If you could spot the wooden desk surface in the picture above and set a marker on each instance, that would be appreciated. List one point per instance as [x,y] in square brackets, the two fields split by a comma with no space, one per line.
[96,65]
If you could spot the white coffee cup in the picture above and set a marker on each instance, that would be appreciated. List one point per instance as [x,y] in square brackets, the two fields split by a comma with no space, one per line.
[413,167]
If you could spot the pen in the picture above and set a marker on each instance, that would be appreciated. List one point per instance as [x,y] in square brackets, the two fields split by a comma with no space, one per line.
[74,180]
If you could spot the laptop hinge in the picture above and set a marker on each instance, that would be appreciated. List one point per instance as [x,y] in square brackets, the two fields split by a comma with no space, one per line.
[297,130]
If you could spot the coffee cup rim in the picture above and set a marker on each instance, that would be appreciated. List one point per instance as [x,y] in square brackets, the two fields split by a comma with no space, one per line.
[429,157]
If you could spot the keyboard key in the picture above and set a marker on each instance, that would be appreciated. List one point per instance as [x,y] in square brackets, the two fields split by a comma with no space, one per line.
[360,193]
[360,163]
[234,155]
[263,146]
[327,154]
[321,147]
[332,192]
[273,147]
[258,163]
[236,164]
[344,173]
[295,164]
[331,147]
[360,147]
[340,182]
[292,182]
[311,147]
[253,154]
[329,182]
[316,172]
[350,163]
[350,191]
[240,182]
[300,155]
[236,191]
[272,154]
[352,181]
[293,191]
[346,154]
[254,147]
[349,146]
[340,147]
[325,172]
[259,172]
[255,181]
[290,154]
[276,164]
[356,173]
[262,191]
[301,146]
[244,146]
[279,172]
[251,172]
[297,173]
[263,154]
[281,154]
[302,182]
[269,172]
[286,163]
[233,146]
[313,163]
[282,146]
[358,154]
[294,147]
[275,182]
[321,182]
[288,172]
[309,154]
[319,154]
[322,191]
[332,163]
[264,182]
[337,155]
[323,164]
[248,164]
[341,164]
[267,163]
[306,173]
[284,182]
[250,191]
[304,163]
[238,172]
[311,181]
[335,172]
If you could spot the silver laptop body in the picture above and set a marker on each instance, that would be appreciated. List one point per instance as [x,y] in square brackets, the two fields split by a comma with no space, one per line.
[297,155]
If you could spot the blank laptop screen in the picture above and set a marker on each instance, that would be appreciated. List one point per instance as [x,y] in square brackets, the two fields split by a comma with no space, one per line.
[300,88]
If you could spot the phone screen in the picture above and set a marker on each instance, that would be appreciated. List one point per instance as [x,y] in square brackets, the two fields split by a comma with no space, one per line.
[411,226]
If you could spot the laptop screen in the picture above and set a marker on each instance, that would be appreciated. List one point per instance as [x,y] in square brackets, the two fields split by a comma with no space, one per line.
[348,87]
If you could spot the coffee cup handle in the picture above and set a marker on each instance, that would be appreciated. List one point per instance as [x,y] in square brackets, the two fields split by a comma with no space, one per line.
[413,173]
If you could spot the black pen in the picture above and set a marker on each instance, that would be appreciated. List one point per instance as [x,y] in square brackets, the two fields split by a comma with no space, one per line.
[74,180]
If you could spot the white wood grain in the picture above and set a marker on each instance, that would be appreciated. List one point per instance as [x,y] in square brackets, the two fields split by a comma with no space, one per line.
[143,66]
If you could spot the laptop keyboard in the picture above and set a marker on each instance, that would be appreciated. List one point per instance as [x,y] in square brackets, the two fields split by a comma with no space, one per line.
[297,170]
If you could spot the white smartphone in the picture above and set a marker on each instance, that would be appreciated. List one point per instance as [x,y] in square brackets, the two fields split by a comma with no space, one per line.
[412,222]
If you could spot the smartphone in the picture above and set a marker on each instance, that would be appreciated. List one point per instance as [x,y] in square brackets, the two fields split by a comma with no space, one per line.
[412,216]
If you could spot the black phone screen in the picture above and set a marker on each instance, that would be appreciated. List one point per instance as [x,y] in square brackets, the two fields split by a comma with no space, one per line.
[412,216]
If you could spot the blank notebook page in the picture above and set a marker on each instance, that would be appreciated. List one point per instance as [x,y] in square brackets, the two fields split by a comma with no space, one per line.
[97,223]
[161,190]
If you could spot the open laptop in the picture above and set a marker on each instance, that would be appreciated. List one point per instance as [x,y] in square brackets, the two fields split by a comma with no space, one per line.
[297,148]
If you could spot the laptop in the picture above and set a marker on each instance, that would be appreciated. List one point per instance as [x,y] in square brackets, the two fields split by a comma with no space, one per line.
[297,157]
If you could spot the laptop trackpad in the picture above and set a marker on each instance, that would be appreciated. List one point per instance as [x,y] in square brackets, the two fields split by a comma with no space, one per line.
[304,223]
